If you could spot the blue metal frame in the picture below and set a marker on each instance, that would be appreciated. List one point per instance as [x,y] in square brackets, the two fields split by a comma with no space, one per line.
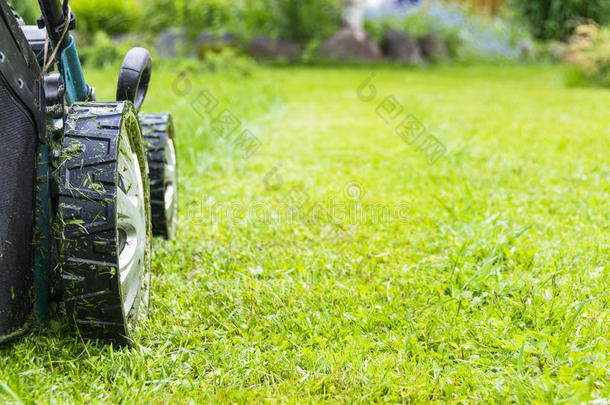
[72,74]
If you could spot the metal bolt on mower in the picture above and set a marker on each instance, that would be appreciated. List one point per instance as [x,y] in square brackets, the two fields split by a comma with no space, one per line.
[84,184]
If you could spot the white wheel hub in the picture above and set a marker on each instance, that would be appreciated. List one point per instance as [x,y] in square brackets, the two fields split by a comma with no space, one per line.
[131,219]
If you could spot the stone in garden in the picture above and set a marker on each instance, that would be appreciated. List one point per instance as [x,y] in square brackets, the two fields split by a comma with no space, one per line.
[274,48]
[346,45]
[287,50]
[400,46]
[433,47]
[171,43]
[229,38]
[261,47]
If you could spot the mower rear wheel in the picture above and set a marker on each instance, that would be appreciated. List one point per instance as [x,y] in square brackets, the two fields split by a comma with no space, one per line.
[160,143]
[104,220]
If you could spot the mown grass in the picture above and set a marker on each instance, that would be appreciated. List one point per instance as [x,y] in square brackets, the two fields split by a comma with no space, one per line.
[484,277]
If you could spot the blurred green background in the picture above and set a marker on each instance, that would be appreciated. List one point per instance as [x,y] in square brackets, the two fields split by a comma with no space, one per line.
[471,30]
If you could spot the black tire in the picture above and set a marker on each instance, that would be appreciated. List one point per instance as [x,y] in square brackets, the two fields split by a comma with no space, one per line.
[160,143]
[104,186]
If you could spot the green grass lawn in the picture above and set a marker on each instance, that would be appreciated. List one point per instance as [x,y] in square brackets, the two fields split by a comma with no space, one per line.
[337,264]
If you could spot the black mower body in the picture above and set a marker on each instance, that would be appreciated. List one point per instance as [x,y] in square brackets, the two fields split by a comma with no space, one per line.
[22,125]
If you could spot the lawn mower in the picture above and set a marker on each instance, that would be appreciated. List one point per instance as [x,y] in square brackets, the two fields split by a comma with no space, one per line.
[84,185]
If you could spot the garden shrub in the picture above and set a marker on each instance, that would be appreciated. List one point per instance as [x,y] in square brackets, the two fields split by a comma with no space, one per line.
[589,52]
[556,19]
[256,17]
[296,20]
[102,52]
[111,16]
[211,15]
[303,21]
[195,15]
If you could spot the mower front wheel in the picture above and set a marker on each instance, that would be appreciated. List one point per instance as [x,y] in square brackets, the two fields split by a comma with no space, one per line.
[105,233]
